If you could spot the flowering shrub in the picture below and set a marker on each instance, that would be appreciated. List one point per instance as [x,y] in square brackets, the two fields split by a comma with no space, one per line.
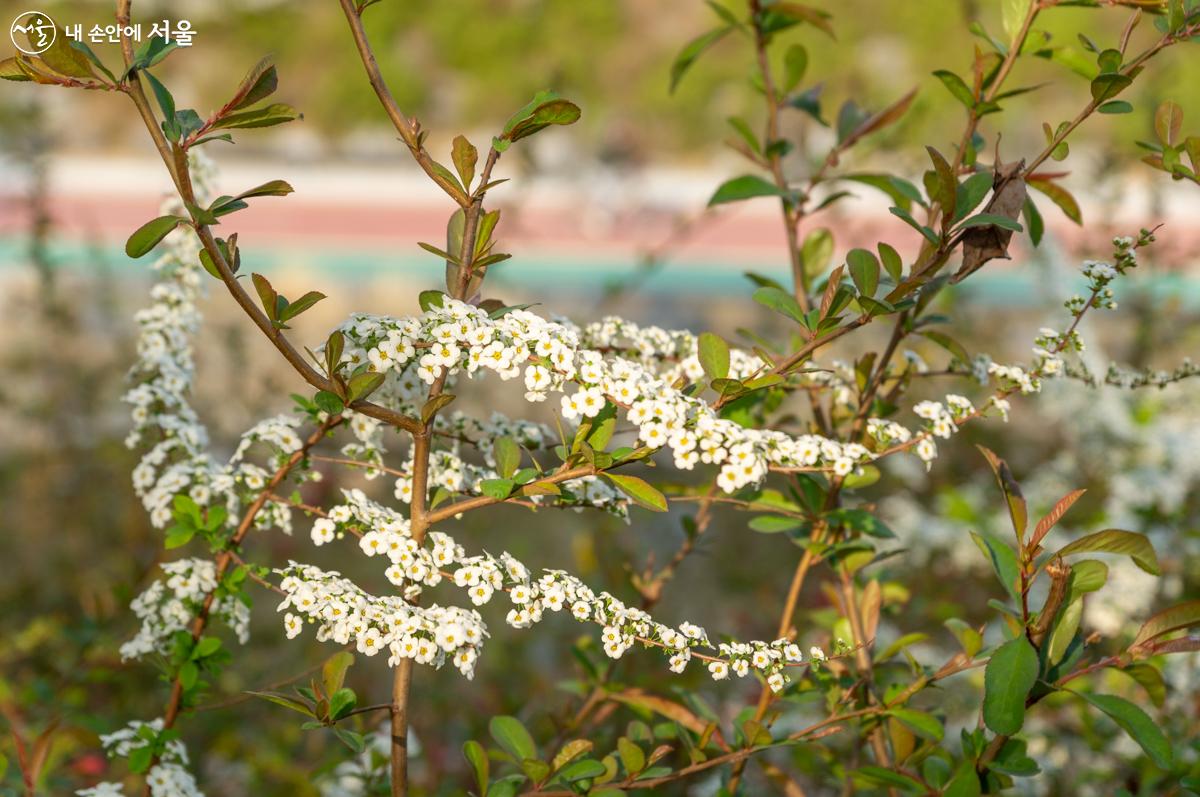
[615,401]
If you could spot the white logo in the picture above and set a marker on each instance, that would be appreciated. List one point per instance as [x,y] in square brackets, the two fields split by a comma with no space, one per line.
[39,31]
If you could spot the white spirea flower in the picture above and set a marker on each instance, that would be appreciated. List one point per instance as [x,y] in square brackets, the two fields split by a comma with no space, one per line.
[168,778]
[344,613]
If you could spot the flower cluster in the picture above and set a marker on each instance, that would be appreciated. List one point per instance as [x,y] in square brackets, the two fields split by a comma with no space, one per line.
[166,608]
[459,338]
[1127,378]
[178,461]
[347,614]
[1049,344]
[1014,377]
[167,778]
[1099,273]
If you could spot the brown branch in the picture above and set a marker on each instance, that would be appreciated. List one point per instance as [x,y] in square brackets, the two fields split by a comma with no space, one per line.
[409,129]
[227,556]
[479,501]
[775,159]
[1130,66]
[175,159]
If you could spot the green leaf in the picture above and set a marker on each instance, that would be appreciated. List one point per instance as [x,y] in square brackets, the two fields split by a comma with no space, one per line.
[431,407]
[552,112]
[1003,560]
[267,116]
[1168,120]
[891,262]
[189,674]
[713,353]
[861,521]
[508,456]
[948,343]
[260,82]
[1064,631]
[465,156]
[900,644]
[569,752]
[943,186]
[186,508]
[580,770]
[512,737]
[341,702]
[924,725]
[747,135]
[328,402]
[477,757]
[641,491]
[970,193]
[1088,575]
[965,782]
[1013,760]
[10,69]
[206,647]
[747,186]
[355,741]
[1059,196]
[267,295]
[1012,16]
[849,119]
[780,301]
[632,756]
[864,270]
[1010,674]
[300,305]
[1175,618]
[1109,61]
[1129,543]
[362,385]
[1115,107]
[795,64]
[152,52]
[430,299]
[1177,14]
[498,489]
[65,59]
[272,188]
[140,758]
[150,234]
[772,524]
[166,104]
[929,234]
[992,220]
[955,85]
[178,536]
[333,671]
[1033,219]
[1109,85]
[879,776]
[1137,723]
[692,50]
[902,192]
[219,137]
[1150,678]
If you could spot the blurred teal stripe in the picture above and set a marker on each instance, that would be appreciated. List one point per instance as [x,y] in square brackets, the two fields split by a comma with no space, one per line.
[575,273]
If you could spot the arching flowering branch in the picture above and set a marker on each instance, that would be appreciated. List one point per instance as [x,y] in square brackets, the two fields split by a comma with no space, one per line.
[620,394]
[346,614]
